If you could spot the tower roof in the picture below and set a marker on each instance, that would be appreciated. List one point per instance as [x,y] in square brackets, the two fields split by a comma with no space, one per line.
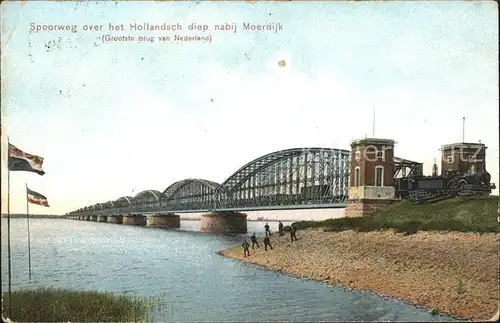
[463,145]
[372,141]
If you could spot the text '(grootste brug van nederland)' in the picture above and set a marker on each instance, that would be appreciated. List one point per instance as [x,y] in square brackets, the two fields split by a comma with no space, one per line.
[273,27]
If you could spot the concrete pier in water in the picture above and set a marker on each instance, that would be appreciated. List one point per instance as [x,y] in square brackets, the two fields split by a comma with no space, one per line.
[216,222]
[117,219]
[224,222]
[168,220]
[134,219]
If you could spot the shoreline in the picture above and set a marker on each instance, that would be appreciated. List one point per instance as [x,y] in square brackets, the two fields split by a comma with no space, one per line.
[448,273]
[364,290]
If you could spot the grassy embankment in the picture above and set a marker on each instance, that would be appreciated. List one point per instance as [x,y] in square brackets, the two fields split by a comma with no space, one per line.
[60,305]
[458,214]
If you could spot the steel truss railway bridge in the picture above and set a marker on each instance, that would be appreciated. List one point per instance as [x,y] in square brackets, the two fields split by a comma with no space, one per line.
[300,178]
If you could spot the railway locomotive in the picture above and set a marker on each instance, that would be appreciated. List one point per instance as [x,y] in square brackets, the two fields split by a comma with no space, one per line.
[419,188]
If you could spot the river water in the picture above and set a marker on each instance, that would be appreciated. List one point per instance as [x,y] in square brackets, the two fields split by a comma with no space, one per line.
[182,267]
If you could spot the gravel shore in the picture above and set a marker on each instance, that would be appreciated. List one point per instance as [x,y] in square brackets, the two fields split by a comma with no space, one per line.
[454,273]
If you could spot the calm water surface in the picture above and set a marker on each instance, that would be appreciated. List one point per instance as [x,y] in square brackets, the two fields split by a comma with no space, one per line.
[182,266]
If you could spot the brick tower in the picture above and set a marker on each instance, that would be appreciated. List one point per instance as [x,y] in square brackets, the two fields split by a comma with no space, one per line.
[463,157]
[371,176]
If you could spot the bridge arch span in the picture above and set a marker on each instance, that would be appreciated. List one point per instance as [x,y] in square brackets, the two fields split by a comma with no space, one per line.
[96,208]
[146,196]
[123,204]
[108,205]
[123,201]
[146,201]
[189,194]
[287,177]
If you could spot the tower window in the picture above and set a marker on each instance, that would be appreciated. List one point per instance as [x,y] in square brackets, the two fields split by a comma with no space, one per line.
[379,175]
[358,155]
[357,176]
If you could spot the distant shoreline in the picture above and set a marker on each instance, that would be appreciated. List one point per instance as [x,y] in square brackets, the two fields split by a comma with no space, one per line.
[38,216]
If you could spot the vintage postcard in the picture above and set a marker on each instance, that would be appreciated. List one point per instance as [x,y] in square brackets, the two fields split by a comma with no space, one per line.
[231,161]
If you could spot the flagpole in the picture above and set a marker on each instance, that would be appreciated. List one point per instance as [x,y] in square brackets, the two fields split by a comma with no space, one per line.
[29,239]
[8,237]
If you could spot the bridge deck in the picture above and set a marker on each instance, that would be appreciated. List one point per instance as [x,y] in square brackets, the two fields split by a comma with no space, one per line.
[241,209]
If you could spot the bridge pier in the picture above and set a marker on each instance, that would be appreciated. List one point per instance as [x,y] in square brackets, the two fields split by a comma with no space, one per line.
[364,207]
[134,219]
[167,221]
[118,219]
[93,218]
[102,218]
[224,222]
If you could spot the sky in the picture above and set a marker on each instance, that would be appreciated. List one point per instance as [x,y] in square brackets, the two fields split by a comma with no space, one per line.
[116,118]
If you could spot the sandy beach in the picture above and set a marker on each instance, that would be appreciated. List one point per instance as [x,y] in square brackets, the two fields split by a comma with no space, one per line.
[454,273]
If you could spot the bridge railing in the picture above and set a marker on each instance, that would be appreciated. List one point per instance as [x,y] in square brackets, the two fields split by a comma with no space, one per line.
[229,201]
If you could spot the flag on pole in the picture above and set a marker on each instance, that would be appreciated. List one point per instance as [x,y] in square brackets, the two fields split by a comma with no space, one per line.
[37,198]
[21,161]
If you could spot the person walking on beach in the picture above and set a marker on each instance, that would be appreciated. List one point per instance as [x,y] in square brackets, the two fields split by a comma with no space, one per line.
[293,230]
[246,251]
[267,242]
[280,229]
[254,241]
[267,229]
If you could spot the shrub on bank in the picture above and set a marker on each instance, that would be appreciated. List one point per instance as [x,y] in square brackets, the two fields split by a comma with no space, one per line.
[458,214]
[59,305]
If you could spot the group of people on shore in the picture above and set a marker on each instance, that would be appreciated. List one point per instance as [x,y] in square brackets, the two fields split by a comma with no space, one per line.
[267,240]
